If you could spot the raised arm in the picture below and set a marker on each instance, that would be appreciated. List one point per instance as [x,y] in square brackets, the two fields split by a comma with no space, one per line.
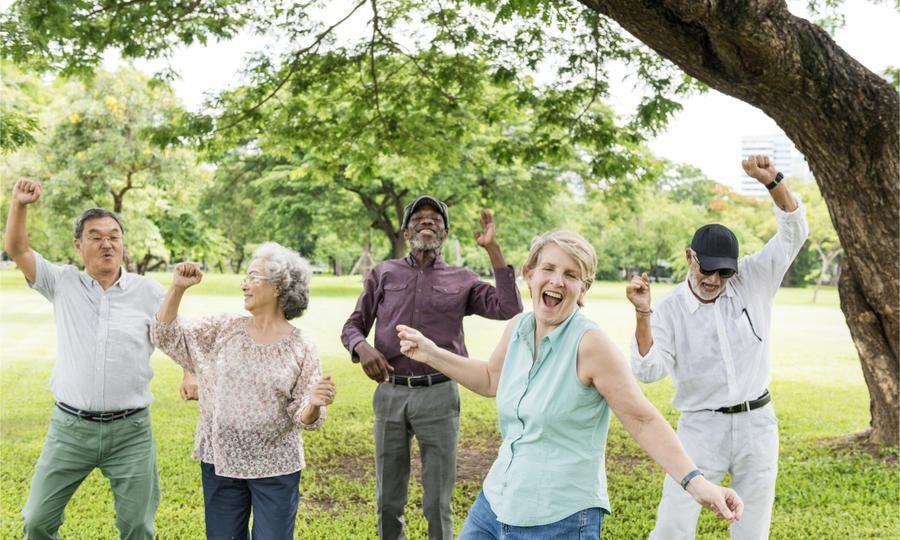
[15,243]
[602,365]
[501,301]
[165,333]
[476,375]
[638,293]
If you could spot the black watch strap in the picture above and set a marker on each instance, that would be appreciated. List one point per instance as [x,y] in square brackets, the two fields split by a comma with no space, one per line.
[778,178]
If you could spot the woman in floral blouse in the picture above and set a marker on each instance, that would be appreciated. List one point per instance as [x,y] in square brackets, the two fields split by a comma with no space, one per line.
[260,384]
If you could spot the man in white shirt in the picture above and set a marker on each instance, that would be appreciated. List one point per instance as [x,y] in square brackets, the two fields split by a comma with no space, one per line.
[101,379]
[711,334]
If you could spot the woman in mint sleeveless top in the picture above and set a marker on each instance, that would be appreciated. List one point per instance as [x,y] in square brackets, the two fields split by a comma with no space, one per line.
[556,377]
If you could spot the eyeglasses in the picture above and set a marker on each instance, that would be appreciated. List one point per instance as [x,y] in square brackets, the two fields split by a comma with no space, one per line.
[724,273]
[253,278]
[114,239]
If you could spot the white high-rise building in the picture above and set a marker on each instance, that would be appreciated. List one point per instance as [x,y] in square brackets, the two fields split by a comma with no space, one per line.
[788,160]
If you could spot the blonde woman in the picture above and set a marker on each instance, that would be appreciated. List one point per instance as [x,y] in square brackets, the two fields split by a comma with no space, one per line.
[557,377]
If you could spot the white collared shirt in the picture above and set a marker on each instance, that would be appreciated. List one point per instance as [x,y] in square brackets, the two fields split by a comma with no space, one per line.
[718,354]
[103,337]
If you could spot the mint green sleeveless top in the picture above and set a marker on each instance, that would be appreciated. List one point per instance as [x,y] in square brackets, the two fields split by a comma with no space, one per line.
[552,462]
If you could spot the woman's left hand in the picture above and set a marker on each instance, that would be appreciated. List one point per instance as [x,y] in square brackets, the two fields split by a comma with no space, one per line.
[722,501]
[323,392]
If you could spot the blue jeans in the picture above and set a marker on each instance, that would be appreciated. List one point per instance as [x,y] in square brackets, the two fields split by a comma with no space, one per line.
[482,524]
[227,502]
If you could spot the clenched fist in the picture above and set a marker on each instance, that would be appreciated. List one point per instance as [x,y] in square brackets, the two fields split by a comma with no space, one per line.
[638,292]
[322,393]
[186,275]
[761,168]
[26,191]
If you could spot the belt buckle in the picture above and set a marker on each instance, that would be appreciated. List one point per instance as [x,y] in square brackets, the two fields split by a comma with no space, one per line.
[745,406]
[409,382]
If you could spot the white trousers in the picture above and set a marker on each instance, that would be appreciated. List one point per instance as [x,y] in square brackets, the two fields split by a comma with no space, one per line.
[743,444]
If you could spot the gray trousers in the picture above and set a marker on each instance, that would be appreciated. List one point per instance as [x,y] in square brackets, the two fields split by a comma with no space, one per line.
[431,413]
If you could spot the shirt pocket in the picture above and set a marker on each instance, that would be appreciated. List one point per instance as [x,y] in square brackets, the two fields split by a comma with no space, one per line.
[448,299]
[746,331]
[394,295]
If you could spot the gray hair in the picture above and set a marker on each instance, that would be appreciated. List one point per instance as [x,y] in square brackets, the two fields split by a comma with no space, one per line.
[95,213]
[289,273]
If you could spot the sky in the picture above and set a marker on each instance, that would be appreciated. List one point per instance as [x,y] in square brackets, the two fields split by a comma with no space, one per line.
[707,133]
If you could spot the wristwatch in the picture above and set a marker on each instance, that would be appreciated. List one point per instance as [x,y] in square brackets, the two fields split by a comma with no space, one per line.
[778,178]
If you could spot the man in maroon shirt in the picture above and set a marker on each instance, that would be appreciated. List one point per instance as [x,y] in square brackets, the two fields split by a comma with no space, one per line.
[422,291]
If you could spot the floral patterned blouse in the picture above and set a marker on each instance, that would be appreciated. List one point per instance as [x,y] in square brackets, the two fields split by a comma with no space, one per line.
[252,395]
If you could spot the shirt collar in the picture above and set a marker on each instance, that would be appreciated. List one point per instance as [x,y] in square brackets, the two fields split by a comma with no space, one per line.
[437,262]
[526,331]
[122,282]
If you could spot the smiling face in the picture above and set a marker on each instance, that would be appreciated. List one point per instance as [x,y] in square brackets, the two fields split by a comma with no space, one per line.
[259,293]
[556,285]
[706,288]
[101,246]
[425,230]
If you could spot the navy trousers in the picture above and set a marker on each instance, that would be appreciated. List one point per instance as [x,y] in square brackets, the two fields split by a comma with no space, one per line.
[228,503]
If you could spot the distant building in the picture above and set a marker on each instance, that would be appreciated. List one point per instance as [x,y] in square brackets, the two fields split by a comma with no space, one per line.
[788,160]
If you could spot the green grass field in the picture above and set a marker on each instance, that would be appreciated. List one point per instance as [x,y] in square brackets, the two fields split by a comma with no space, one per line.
[825,489]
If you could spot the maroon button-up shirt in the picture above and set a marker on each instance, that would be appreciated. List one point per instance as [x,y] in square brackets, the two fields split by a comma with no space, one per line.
[432,299]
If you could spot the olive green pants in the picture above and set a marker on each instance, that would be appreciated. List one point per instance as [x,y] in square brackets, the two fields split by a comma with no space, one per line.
[123,450]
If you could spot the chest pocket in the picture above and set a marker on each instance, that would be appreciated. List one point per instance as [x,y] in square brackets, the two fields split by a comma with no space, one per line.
[747,332]
[393,295]
[448,299]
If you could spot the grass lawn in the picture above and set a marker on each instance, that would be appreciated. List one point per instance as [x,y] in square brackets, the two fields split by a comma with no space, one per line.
[824,490]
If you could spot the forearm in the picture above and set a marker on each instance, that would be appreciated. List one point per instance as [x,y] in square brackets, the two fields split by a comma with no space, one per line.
[782,197]
[473,374]
[496,255]
[643,333]
[168,309]
[310,414]
[658,439]
[16,240]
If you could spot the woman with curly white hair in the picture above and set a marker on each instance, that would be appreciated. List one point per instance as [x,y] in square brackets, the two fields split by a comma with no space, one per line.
[260,385]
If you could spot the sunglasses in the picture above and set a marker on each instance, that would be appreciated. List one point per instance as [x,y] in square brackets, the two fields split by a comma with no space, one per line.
[724,273]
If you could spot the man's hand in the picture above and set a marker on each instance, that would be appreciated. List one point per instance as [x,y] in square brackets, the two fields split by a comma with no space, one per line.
[414,345]
[189,390]
[323,392]
[26,191]
[487,236]
[373,362]
[186,275]
[722,501]
[638,292]
[761,168]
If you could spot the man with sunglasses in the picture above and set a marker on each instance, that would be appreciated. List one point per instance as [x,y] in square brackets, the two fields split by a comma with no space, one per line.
[711,334]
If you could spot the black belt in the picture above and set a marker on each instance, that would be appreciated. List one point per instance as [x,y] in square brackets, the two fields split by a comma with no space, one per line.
[94,416]
[747,405]
[419,380]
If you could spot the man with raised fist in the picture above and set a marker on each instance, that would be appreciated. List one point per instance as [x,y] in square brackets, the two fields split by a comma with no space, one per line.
[101,379]
[711,334]
[413,399]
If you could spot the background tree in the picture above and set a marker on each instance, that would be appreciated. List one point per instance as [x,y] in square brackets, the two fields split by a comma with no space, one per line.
[839,114]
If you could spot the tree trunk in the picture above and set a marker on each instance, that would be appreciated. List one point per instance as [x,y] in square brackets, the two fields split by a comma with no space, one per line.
[840,115]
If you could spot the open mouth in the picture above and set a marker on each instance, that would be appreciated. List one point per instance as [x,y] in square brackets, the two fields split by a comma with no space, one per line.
[551,298]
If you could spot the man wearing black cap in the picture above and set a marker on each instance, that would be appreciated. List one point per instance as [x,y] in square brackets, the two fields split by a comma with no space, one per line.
[422,291]
[711,334]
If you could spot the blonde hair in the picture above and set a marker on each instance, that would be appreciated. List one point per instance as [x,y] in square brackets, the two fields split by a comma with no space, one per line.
[574,245]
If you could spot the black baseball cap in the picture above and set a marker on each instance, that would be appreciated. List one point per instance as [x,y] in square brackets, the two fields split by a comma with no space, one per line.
[421,201]
[716,247]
